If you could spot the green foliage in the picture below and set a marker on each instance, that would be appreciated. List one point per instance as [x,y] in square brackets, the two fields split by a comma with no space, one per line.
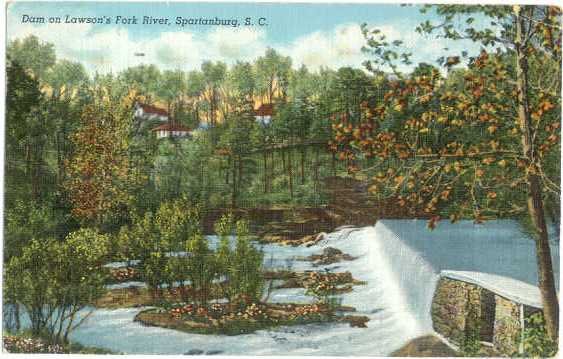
[471,344]
[29,281]
[536,342]
[101,180]
[185,168]
[201,268]
[32,54]
[151,238]
[25,221]
[143,78]
[224,228]
[53,281]
[176,219]
[246,280]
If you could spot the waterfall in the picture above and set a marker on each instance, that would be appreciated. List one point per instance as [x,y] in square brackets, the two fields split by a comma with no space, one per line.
[409,279]
[405,278]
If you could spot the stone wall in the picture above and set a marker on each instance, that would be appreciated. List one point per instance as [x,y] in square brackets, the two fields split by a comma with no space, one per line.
[461,309]
[455,308]
[507,326]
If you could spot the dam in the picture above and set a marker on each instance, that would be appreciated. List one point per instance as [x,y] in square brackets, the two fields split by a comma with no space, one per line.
[401,261]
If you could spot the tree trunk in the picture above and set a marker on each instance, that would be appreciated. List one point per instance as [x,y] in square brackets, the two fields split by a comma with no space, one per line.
[272,170]
[283,160]
[290,172]
[535,200]
[265,155]
[17,316]
[333,164]
[212,107]
[303,154]
[239,175]
[227,170]
[316,166]
[234,185]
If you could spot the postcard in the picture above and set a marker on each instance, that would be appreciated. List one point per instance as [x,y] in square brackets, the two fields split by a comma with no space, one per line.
[267,179]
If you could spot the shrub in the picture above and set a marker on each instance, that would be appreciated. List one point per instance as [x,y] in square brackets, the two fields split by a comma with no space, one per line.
[246,279]
[54,280]
[471,344]
[201,267]
[153,237]
[224,227]
[536,342]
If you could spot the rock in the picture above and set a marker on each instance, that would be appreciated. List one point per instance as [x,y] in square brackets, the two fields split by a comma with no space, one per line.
[213,352]
[291,283]
[356,321]
[330,251]
[194,352]
[328,256]
[311,238]
[426,346]
[345,308]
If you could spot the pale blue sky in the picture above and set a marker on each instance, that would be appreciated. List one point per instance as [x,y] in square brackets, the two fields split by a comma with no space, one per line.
[312,34]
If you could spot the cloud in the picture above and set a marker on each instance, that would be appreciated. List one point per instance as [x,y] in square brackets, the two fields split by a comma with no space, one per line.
[112,49]
[343,46]
[242,43]
[340,47]
[105,49]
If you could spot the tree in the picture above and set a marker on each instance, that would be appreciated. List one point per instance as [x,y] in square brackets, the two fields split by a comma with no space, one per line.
[301,89]
[54,281]
[64,77]
[171,86]
[185,167]
[224,228]
[143,79]
[67,82]
[176,219]
[29,282]
[101,178]
[272,75]
[27,131]
[234,140]
[480,150]
[33,55]
[213,75]
[201,268]
[195,88]
[352,87]
[80,279]
[246,279]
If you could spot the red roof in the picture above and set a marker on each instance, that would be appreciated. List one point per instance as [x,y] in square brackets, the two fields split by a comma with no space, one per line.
[265,110]
[171,127]
[154,110]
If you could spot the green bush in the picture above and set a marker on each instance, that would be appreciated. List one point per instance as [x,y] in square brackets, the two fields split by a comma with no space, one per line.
[471,342]
[201,267]
[55,280]
[536,342]
[152,237]
[224,228]
[246,281]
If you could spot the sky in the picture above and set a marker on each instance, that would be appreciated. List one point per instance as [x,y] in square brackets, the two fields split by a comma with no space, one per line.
[316,35]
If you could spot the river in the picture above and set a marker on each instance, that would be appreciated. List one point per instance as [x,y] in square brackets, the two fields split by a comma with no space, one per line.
[399,260]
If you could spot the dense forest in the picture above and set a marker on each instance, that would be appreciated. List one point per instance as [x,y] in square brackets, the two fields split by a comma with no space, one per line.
[475,136]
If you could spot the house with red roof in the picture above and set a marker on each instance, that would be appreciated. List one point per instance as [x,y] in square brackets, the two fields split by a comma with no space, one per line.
[170,130]
[149,112]
[264,113]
